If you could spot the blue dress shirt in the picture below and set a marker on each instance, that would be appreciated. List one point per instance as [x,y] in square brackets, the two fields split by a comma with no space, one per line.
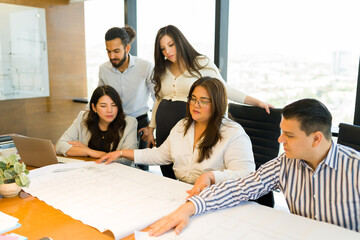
[133,85]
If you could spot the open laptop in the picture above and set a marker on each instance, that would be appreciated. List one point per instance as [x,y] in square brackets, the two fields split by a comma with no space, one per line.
[37,152]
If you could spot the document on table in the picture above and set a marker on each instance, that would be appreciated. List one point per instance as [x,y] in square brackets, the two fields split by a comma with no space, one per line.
[123,199]
[111,197]
[8,223]
[251,221]
[68,160]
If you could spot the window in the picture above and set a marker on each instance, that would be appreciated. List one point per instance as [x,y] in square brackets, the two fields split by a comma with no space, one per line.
[100,16]
[281,51]
[195,19]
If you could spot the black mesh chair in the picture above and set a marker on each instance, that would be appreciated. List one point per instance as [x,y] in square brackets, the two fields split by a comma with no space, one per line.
[349,135]
[264,131]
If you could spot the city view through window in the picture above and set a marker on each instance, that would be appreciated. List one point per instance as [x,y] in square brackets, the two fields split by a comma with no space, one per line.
[279,51]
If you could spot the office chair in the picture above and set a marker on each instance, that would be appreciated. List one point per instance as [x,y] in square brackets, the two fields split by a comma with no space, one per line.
[349,135]
[264,131]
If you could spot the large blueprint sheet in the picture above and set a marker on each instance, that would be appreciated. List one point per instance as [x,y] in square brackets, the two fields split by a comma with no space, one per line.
[251,221]
[108,197]
[123,199]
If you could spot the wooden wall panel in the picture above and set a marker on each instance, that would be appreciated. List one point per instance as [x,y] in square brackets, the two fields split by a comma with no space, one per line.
[49,117]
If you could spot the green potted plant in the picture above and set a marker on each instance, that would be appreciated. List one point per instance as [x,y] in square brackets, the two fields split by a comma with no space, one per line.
[12,176]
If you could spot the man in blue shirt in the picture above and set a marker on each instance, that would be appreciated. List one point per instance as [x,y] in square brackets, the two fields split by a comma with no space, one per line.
[129,75]
[320,179]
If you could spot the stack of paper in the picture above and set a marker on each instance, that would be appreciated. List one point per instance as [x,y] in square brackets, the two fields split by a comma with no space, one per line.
[8,223]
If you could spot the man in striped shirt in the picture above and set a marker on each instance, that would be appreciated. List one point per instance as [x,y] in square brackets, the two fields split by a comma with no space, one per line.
[320,179]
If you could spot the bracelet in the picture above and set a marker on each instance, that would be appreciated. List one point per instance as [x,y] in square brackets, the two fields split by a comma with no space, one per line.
[121,154]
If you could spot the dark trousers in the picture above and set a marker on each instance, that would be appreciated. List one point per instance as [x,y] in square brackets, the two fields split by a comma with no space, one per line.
[167,115]
[143,121]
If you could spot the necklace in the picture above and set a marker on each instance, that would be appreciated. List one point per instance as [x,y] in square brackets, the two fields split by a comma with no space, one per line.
[103,134]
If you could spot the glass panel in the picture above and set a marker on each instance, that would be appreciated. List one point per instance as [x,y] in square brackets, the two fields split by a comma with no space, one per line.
[281,51]
[195,19]
[100,16]
[23,52]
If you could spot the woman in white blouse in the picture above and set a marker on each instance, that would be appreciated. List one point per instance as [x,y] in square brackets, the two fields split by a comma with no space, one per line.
[204,142]
[101,129]
[177,66]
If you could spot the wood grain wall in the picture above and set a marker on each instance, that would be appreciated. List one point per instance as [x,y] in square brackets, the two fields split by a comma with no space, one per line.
[49,117]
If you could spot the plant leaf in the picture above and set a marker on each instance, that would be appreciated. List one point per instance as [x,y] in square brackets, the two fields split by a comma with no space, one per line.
[18,181]
[3,164]
[17,168]
[8,174]
[13,158]
[23,166]
[6,160]
[25,181]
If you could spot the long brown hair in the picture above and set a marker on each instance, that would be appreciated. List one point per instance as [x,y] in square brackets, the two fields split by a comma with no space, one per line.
[116,128]
[185,53]
[218,96]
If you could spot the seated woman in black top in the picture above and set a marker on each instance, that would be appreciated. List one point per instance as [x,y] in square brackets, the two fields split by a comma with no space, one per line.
[101,129]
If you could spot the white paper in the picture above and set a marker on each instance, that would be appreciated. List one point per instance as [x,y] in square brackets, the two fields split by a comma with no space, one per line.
[108,197]
[142,236]
[124,199]
[68,160]
[251,221]
[7,222]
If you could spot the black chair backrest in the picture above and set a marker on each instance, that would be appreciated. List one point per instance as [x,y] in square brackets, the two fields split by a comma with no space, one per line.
[262,128]
[349,135]
[264,131]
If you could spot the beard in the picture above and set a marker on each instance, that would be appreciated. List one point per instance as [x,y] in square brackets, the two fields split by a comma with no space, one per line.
[117,65]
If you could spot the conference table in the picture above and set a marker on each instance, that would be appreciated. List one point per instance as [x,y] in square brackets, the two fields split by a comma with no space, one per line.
[247,221]
[40,220]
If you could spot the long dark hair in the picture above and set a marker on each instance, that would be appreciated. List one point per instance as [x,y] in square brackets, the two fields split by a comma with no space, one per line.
[211,135]
[185,53]
[116,128]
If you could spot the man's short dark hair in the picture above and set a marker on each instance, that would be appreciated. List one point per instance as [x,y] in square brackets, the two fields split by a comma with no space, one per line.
[126,34]
[312,115]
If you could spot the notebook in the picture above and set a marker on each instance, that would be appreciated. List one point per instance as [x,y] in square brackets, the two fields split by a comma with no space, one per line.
[37,152]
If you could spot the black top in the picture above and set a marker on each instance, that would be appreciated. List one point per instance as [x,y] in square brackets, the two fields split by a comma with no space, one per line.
[102,141]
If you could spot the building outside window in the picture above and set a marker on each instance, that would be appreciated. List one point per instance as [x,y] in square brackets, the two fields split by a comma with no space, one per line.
[281,51]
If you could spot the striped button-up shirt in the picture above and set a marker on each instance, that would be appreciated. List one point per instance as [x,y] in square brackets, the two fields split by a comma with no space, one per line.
[330,194]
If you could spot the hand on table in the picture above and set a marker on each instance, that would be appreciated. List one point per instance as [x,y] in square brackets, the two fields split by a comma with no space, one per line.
[109,157]
[178,219]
